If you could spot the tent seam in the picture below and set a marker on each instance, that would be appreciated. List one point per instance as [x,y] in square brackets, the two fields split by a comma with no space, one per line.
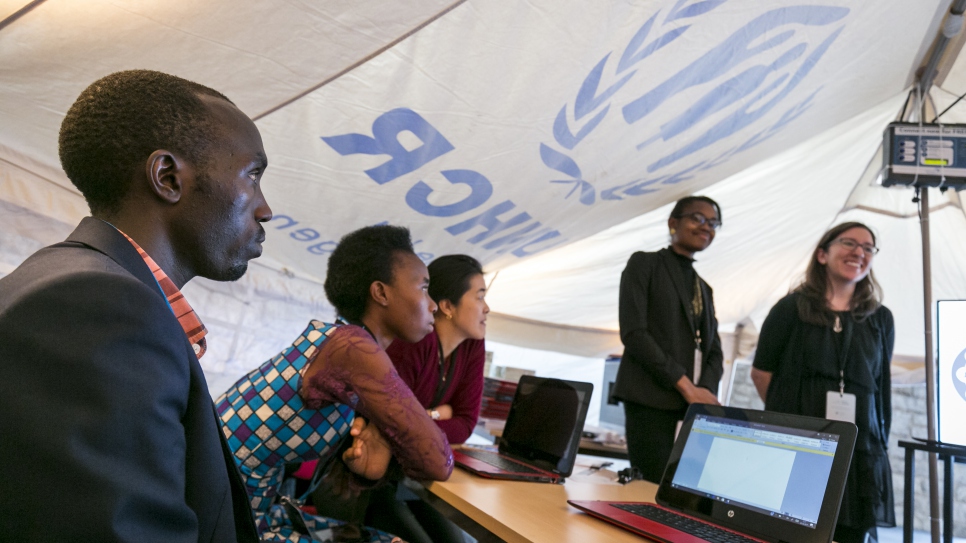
[358,63]
[20,13]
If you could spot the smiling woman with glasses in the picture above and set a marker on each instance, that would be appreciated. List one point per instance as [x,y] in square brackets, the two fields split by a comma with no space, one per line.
[672,353]
[700,219]
[851,244]
[824,351]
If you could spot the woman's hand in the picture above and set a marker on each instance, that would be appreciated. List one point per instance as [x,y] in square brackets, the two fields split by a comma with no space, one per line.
[370,453]
[695,394]
[445,411]
[762,380]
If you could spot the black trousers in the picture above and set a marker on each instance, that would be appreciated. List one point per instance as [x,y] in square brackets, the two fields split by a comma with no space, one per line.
[400,512]
[650,437]
[846,534]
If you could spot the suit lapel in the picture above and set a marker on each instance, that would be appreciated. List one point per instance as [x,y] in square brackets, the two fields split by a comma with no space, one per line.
[673,270]
[706,318]
[104,238]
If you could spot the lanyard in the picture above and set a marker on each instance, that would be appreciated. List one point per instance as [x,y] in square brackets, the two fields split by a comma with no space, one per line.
[444,376]
[844,352]
[697,306]
[342,321]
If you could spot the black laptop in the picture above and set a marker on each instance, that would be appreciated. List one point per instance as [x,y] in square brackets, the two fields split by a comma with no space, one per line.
[744,475]
[541,435]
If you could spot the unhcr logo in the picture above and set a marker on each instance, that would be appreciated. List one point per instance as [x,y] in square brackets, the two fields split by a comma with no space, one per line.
[500,227]
[730,96]
[959,374]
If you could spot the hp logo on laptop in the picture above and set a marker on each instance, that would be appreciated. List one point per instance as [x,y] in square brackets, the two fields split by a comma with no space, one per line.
[731,513]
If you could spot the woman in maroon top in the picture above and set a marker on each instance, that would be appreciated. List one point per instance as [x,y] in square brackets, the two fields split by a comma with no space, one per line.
[445,368]
[445,372]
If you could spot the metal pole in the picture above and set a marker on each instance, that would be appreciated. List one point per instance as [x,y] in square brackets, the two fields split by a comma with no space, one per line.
[934,511]
[952,26]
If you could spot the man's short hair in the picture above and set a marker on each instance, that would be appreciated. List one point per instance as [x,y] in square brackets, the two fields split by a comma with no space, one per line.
[361,258]
[120,119]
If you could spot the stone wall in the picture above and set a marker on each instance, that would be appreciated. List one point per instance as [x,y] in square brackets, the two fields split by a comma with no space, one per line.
[908,419]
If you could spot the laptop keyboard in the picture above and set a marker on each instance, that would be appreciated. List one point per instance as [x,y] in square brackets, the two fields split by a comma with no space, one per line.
[681,523]
[498,461]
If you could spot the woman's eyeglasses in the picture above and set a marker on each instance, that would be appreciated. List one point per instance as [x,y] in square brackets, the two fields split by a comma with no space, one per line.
[851,244]
[702,220]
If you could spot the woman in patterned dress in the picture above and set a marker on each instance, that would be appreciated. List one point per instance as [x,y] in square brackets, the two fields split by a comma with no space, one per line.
[302,404]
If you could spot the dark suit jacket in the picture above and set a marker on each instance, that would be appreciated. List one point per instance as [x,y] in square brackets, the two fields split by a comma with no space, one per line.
[657,330]
[108,429]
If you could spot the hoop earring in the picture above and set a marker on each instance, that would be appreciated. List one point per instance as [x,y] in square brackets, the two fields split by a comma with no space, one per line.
[673,231]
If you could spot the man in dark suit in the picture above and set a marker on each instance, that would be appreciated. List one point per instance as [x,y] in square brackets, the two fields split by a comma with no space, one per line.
[666,317]
[108,429]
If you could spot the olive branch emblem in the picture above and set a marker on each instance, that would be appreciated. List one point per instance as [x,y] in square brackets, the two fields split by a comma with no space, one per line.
[742,99]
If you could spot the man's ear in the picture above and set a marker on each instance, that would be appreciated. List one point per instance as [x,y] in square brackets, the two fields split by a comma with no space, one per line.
[165,174]
[378,291]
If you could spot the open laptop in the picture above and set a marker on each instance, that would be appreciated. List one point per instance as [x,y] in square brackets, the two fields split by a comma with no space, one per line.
[541,435]
[744,475]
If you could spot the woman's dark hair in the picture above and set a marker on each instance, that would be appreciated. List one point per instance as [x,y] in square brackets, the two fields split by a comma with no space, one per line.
[449,277]
[812,302]
[683,204]
[361,258]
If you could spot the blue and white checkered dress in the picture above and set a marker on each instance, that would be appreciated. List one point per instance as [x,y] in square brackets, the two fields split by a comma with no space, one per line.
[268,426]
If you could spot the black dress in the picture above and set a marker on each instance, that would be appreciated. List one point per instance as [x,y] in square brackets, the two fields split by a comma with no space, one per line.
[804,360]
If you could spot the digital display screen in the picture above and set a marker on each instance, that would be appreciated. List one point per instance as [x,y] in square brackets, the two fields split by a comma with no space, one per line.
[546,420]
[777,471]
[951,372]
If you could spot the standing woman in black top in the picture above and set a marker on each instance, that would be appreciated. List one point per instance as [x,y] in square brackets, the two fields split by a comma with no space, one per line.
[672,353]
[824,351]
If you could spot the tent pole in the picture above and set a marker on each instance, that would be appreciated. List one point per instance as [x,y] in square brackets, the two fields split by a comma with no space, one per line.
[934,521]
[951,28]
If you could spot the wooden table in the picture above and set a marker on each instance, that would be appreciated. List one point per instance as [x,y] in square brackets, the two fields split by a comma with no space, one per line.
[607,450]
[586,446]
[523,512]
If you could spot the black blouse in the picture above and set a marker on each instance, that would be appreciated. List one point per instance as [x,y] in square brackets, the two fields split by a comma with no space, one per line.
[805,362]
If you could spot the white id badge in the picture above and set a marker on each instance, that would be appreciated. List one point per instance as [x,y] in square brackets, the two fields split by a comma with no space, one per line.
[840,406]
[697,365]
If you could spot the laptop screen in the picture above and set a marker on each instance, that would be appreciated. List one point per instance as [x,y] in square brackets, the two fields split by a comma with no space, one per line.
[773,475]
[782,472]
[545,422]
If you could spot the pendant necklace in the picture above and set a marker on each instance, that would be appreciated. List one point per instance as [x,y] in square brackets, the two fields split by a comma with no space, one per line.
[837,327]
[442,373]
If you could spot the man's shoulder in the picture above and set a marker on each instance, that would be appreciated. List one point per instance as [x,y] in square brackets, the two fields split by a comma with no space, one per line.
[61,265]
[66,256]
[72,278]
[101,314]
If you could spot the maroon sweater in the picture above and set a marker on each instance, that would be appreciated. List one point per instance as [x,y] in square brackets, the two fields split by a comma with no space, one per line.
[418,366]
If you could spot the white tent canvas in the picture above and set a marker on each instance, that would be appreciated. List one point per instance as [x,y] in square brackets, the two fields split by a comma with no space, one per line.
[545,138]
